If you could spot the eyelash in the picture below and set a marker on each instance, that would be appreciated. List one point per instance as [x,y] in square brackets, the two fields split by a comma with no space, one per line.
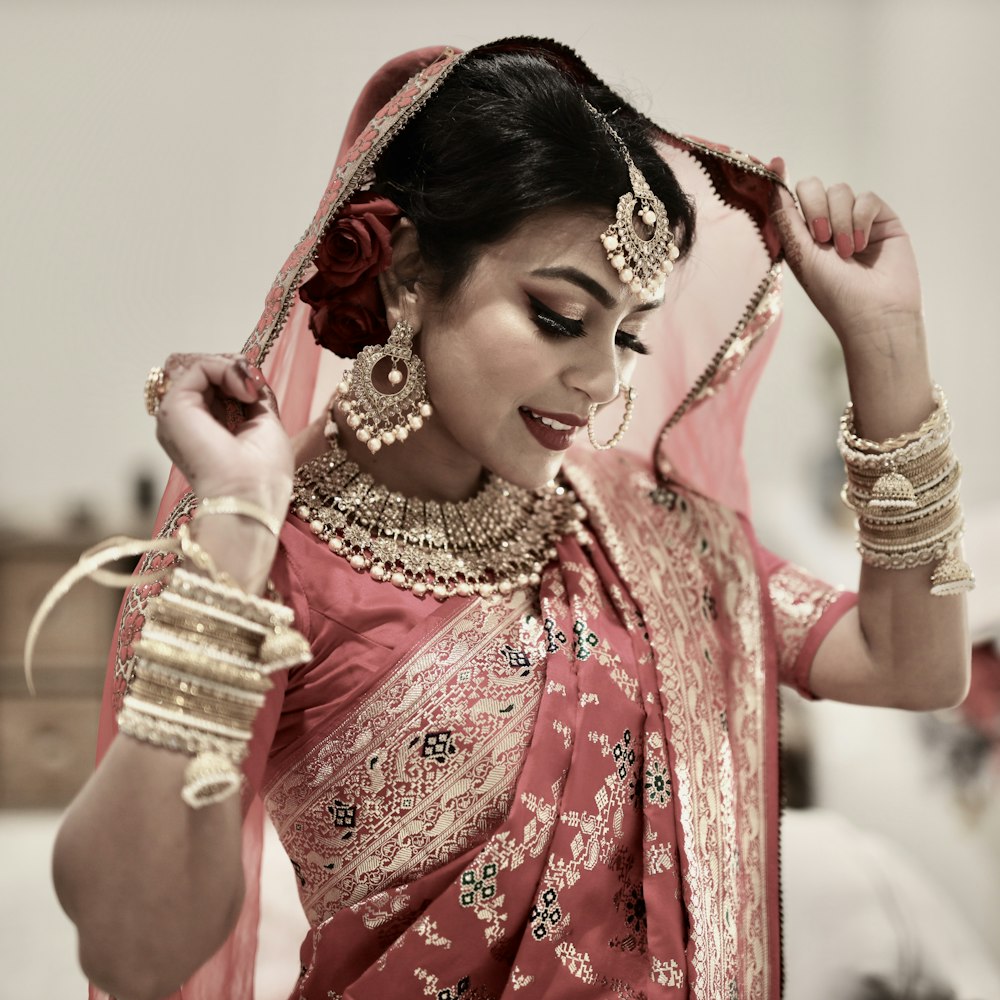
[553,323]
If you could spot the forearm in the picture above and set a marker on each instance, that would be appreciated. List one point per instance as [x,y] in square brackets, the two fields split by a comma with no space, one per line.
[916,643]
[152,885]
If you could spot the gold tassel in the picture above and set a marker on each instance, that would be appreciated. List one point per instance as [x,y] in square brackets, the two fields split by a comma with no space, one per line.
[283,647]
[952,576]
[892,491]
[208,778]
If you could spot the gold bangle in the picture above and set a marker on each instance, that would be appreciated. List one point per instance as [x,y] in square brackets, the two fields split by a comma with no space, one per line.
[163,714]
[186,682]
[155,640]
[932,421]
[231,599]
[209,778]
[918,471]
[151,693]
[201,631]
[176,736]
[205,667]
[241,508]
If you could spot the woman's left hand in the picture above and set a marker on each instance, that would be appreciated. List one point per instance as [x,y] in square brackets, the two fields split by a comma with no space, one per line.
[854,259]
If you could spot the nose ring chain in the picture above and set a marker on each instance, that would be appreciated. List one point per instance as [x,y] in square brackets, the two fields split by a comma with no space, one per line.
[630,395]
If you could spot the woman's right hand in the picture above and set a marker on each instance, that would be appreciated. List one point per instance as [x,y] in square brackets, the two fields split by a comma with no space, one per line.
[249,457]
[254,459]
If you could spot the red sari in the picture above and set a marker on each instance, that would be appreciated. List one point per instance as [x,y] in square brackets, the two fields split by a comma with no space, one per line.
[573,794]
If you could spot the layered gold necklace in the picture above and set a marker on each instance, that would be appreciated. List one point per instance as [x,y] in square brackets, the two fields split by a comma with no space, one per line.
[496,541]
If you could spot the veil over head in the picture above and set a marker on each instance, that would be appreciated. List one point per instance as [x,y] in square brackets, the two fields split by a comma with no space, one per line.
[694,391]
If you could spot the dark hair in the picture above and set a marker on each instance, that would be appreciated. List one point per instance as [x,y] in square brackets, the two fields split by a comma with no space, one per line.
[508,135]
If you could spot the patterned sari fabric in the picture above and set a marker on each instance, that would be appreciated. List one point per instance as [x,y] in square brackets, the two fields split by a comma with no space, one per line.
[574,795]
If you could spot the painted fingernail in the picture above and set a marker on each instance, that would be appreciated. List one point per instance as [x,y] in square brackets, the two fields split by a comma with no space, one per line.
[253,379]
[859,240]
[821,230]
[844,244]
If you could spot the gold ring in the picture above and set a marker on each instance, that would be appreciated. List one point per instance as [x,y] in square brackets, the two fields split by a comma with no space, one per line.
[157,382]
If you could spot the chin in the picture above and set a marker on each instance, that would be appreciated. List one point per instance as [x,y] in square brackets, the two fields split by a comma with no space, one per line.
[533,478]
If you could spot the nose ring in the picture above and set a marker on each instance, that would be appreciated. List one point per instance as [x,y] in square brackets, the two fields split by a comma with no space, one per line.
[630,395]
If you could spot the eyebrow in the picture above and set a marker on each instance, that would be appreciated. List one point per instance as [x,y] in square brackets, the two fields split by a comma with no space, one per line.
[588,284]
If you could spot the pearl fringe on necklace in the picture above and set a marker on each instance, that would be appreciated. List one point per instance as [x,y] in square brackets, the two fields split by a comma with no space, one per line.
[489,545]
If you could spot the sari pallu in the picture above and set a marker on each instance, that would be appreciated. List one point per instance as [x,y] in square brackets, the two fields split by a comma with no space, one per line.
[598,821]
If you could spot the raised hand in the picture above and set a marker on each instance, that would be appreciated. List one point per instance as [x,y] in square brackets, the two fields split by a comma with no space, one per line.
[251,459]
[853,257]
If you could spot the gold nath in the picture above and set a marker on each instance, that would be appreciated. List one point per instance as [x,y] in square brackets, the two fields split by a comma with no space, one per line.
[498,540]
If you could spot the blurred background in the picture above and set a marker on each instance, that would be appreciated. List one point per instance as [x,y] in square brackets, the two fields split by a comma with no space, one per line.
[159,161]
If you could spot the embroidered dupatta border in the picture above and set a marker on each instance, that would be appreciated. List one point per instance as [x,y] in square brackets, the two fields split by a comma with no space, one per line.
[722,788]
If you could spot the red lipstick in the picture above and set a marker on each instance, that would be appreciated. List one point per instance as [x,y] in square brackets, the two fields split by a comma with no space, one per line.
[551,437]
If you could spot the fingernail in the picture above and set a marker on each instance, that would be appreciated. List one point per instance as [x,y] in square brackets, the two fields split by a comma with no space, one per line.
[859,240]
[256,376]
[821,230]
[844,244]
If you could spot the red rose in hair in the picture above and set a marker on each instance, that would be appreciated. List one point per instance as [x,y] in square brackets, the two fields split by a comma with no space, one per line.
[348,312]
[347,325]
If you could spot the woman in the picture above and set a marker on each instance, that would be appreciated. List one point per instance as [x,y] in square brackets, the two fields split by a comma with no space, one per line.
[532,745]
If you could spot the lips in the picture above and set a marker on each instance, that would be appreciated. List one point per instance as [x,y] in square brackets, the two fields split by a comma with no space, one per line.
[554,431]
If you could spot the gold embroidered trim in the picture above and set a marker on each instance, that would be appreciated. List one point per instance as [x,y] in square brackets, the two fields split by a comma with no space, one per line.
[799,601]
[717,718]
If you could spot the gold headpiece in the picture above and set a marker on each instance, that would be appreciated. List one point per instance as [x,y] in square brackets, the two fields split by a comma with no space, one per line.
[642,262]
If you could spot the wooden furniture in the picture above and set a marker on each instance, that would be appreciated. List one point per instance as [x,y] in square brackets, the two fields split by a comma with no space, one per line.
[47,743]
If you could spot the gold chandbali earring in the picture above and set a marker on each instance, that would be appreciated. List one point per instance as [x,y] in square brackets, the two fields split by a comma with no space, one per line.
[630,394]
[639,243]
[382,416]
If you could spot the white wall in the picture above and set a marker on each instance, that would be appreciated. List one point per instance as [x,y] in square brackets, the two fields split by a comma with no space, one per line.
[160,160]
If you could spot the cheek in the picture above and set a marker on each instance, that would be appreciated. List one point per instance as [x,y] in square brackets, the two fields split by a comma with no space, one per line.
[491,357]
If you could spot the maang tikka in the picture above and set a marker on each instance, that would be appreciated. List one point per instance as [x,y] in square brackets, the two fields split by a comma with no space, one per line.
[642,262]
[382,416]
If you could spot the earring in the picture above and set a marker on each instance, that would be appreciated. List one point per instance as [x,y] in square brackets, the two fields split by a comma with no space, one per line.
[381,416]
[630,395]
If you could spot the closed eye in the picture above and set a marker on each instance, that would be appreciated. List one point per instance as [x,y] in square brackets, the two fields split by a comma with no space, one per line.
[631,342]
[549,321]
[553,323]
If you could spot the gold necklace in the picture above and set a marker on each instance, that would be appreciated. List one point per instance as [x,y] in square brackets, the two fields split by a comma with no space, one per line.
[498,540]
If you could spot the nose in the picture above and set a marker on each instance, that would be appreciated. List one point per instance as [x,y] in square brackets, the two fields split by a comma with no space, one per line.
[596,372]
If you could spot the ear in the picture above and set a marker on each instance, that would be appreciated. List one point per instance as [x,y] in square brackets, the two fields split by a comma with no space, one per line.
[400,285]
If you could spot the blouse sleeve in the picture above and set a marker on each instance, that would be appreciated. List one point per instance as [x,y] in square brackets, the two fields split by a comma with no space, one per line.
[804,609]
[288,585]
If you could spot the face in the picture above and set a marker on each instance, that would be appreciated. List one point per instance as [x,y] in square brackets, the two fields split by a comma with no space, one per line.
[540,331]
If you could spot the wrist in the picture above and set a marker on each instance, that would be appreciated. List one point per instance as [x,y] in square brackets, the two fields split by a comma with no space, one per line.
[888,374]
[242,548]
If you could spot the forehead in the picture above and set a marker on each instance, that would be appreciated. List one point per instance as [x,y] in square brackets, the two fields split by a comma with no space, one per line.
[558,236]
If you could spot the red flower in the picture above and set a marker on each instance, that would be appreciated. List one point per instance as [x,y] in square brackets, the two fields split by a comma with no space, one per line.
[403,99]
[357,244]
[348,313]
